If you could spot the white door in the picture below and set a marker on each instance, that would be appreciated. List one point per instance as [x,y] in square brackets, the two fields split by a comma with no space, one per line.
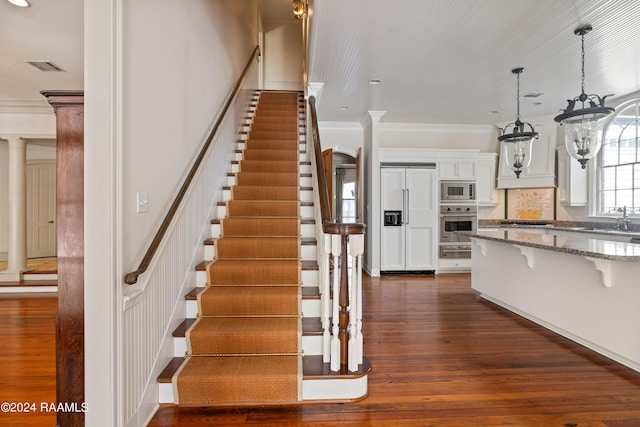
[41,209]
[392,250]
[421,220]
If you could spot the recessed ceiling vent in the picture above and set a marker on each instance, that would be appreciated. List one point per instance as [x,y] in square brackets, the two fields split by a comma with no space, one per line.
[44,65]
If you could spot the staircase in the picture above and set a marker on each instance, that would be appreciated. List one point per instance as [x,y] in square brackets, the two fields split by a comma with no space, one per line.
[252,333]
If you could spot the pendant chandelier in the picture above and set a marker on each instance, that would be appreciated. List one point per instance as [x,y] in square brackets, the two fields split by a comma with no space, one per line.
[583,127]
[517,137]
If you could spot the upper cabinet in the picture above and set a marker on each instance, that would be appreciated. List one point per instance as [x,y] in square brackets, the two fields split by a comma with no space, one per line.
[572,180]
[486,179]
[457,165]
[541,171]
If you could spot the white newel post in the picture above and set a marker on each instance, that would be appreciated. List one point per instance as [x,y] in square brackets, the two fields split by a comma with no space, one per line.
[17,256]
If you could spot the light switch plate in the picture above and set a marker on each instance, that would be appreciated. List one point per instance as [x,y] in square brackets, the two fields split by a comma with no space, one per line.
[142,202]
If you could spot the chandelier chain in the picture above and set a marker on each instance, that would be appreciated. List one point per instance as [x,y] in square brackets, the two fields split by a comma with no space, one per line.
[518,97]
[582,36]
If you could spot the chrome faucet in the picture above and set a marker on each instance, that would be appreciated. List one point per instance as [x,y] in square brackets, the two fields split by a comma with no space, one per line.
[623,221]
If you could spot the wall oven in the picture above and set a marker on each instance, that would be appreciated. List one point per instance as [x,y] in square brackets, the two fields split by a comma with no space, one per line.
[455,218]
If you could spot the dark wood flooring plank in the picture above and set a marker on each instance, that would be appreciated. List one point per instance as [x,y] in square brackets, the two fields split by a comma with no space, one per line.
[28,357]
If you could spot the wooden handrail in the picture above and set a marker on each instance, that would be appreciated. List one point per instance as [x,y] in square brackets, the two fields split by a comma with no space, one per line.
[132,278]
[325,210]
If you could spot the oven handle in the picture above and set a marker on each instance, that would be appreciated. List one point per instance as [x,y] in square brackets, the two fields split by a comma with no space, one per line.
[458,215]
[455,250]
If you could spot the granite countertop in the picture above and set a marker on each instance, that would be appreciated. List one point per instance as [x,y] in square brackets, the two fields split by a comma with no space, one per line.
[577,243]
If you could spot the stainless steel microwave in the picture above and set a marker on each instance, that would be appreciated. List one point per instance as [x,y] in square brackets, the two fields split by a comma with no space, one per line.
[457,191]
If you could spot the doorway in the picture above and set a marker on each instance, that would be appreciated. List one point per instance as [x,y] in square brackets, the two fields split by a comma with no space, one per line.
[41,208]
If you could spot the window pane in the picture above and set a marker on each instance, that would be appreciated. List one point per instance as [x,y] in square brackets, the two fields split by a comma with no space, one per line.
[624,177]
[624,198]
[608,178]
[610,152]
[609,201]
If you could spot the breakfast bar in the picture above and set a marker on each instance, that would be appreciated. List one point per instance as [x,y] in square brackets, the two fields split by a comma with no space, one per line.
[584,286]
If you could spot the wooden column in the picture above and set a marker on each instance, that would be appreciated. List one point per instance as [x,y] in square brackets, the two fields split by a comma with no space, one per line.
[69,109]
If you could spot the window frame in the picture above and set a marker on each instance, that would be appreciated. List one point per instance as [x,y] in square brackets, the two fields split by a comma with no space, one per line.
[596,169]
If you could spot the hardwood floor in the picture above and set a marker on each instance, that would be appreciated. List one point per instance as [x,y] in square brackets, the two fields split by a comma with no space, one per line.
[441,357]
[28,358]
[444,357]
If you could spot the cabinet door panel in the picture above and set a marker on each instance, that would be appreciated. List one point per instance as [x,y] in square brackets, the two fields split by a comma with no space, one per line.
[422,219]
[392,242]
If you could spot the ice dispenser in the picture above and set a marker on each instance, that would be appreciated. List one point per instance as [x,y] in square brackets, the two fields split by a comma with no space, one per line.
[393,218]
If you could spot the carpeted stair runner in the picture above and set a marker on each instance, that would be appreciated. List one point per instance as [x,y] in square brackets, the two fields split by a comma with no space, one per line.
[244,348]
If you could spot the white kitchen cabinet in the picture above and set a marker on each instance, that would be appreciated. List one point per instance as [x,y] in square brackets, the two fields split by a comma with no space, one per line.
[572,180]
[458,169]
[410,219]
[541,171]
[486,191]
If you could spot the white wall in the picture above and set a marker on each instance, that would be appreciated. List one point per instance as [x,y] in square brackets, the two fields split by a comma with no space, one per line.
[283,55]
[405,135]
[157,73]
[341,137]
[175,83]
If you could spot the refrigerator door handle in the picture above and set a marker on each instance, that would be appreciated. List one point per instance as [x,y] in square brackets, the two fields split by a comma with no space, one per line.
[407,214]
[404,204]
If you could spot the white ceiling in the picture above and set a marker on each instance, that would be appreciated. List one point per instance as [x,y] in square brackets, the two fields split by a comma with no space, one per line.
[440,61]
[450,61]
[49,30]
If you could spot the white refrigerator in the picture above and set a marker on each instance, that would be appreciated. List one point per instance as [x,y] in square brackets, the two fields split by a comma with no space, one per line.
[409,218]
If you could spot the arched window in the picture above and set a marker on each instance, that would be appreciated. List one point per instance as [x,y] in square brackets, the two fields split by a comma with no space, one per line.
[619,163]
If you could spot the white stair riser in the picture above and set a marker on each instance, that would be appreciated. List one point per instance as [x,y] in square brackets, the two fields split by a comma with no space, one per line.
[309,252]
[306,196]
[306,211]
[201,279]
[309,277]
[307,230]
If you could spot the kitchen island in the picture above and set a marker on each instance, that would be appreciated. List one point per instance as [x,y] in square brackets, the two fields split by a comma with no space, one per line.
[583,286]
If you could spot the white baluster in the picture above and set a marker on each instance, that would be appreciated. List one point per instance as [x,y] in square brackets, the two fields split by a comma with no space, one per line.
[356,248]
[335,338]
[325,297]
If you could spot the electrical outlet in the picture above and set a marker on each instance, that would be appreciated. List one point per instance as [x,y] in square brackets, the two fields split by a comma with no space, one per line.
[142,202]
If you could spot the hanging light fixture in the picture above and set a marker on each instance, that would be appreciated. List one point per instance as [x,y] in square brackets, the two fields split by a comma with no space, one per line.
[517,137]
[298,9]
[583,127]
